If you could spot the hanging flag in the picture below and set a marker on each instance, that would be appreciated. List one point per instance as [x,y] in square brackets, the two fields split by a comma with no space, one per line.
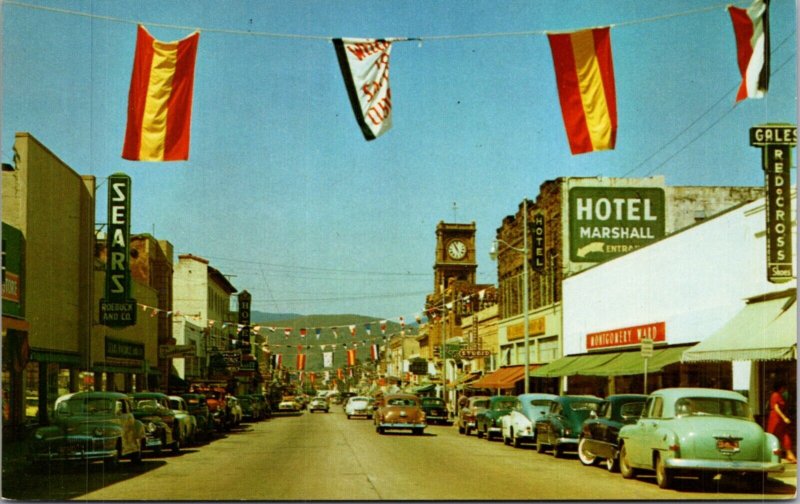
[277,360]
[351,357]
[352,330]
[301,376]
[373,352]
[751,27]
[287,332]
[327,359]
[301,361]
[271,328]
[335,332]
[402,323]
[365,67]
[302,332]
[585,78]
[318,331]
[299,348]
[340,374]
[327,376]
[383,327]
[312,376]
[368,328]
[154,312]
[160,99]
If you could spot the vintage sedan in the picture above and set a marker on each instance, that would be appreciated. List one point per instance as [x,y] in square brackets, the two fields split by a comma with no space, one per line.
[152,409]
[487,422]
[701,432]
[599,433]
[234,413]
[560,428]
[400,411]
[288,405]
[186,422]
[435,410]
[358,406]
[468,412]
[198,407]
[319,404]
[89,426]
[518,426]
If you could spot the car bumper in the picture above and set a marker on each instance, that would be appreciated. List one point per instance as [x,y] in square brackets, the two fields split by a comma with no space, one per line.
[723,465]
[400,425]
[567,442]
[359,413]
[76,449]
[436,418]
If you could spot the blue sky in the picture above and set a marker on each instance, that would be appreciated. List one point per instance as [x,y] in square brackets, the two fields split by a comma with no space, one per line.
[282,191]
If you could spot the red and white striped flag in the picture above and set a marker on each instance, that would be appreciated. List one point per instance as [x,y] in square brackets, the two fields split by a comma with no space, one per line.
[585,78]
[160,99]
[751,27]
[373,352]
[352,330]
[287,332]
[302,332]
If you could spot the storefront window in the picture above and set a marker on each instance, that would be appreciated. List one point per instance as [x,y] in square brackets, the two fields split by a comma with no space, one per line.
[6,396]
[86,381]
[31,388]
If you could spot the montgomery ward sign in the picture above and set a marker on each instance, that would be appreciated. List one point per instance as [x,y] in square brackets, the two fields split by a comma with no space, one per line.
[606,222]
[117,309]
[627,336]
[776,142]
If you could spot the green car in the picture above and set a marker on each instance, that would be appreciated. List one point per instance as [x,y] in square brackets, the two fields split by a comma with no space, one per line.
[700,432]
[89,426]
[487,422]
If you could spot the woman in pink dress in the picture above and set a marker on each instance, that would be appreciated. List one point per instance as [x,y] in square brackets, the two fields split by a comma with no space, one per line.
[778,423]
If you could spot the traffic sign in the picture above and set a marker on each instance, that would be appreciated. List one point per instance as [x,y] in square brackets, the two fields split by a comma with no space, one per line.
[647,348]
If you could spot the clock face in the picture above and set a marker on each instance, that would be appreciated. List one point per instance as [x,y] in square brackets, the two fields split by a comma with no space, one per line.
[456,249]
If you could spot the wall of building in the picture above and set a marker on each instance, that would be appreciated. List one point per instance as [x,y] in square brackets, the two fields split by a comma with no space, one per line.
[54,208]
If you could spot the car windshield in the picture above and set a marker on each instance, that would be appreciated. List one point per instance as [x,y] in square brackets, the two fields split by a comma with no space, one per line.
[583,406]
[432,401]
[541,402]
[631,410]
[483,403]
[175,404]
[400,401]
[85,406]
[717,406]
[145,404]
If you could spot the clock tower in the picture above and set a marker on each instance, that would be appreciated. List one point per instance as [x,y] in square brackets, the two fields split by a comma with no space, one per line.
[455,254]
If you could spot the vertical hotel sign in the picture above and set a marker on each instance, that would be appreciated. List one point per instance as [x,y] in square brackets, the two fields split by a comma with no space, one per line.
[117,309]
[244,319]
[537,232]
[776,142]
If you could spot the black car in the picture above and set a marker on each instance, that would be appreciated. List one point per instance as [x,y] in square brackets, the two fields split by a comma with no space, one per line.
[199,409]
[599,432]
[435,410]
[560,427]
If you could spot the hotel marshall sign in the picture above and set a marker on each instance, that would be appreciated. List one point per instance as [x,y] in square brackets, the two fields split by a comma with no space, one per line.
[776,142]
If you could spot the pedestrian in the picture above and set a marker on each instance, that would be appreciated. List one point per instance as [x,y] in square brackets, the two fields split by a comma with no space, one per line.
[777,421]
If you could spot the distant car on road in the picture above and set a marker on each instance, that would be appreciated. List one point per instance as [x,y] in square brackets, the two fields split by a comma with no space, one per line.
[700,432]
[560,428]
[318,404]
[467,414]
[358,406]
[288,405]
[487,422]
[400,411]
[599,433]
[435,410]
[519,426]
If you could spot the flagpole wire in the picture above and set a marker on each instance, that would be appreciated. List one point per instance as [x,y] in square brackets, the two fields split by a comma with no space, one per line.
[328,38]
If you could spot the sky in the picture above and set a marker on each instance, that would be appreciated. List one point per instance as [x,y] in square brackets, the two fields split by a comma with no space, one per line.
[282,192]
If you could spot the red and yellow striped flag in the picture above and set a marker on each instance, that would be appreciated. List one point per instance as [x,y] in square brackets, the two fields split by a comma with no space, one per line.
[160,99]
[351,357]
[301,362]
[585,79]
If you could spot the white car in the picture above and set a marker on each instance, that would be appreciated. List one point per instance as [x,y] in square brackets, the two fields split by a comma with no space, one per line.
[519,426]
[358,406]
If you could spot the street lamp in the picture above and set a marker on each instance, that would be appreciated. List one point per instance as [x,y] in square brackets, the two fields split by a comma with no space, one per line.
[493,252]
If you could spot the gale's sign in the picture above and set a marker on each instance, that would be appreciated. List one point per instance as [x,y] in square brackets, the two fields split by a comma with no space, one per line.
[117,309]
[776,142]
[606,222]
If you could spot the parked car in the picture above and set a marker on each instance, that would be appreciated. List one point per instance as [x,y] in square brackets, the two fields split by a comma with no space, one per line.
[400,411]
[560,428]
[89,426]
[519,425]
[152,409]
[467,414]
[435,410]
[698,431]
[198,407]
[263,404]
[186,422]
[345,396]
[252,410]
[487,421]
[217,400]
[598,438]
[234,412]
[358,406]
[318,404]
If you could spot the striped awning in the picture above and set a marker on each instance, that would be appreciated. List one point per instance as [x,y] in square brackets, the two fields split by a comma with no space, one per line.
[765,329]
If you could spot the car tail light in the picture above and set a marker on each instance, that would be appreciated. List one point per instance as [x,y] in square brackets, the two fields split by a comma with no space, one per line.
[777,451]
[675,447]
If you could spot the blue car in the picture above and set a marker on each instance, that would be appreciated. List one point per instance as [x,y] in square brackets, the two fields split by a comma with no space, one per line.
[560,428]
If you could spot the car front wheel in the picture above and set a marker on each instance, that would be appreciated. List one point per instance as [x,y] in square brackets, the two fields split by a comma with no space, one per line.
[627,471]
[586,457]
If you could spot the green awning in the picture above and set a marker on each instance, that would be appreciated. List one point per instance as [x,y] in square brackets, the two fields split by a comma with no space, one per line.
[574,365]
[762,330]
[632,362]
